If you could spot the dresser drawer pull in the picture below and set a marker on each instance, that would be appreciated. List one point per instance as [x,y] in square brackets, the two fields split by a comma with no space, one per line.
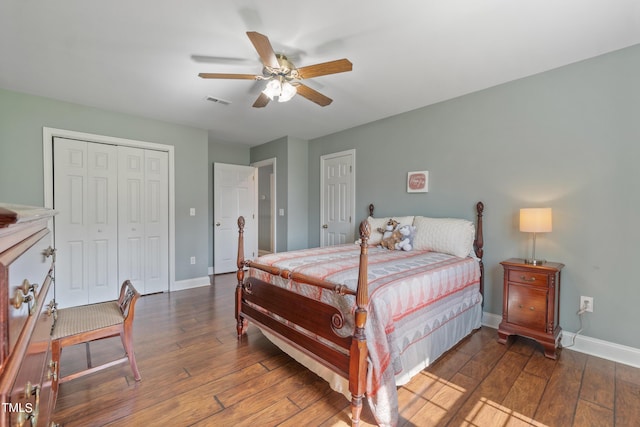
[53,371]
[50,252]
[29,410]
[17,299]
[527,279]
[532,308]
[52,309]
[21,296]
[27,287]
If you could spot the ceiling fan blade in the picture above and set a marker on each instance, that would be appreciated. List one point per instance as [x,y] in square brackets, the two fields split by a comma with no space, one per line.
[313,95]
[228,76]
[206,59]
[262,101]
[264,49]
[331,67]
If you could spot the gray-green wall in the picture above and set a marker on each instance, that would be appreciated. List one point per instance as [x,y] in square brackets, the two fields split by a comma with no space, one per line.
[22,118]
[567,139]
[292,181]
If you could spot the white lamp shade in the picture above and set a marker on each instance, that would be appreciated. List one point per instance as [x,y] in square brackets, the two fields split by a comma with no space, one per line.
[273,89]
[535,220]
[288,92]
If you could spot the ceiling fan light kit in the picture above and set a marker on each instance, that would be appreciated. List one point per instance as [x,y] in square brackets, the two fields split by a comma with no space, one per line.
[282,76]
[283,90]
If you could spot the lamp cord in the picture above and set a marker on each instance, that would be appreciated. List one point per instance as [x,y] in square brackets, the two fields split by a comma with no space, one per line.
[579,313]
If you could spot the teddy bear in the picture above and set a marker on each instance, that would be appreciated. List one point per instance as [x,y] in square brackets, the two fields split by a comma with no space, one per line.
[389,227]
[406,243]
[391,236]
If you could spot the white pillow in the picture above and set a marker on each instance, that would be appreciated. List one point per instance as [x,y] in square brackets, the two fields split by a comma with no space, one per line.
[376,223]
[448,235]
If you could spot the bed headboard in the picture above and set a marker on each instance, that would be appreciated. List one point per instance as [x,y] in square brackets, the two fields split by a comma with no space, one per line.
[478,242]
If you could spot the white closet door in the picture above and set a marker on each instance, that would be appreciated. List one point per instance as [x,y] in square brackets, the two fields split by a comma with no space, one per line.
[143,218]
[85,188]
[156,259]
[131,215]
[102,226]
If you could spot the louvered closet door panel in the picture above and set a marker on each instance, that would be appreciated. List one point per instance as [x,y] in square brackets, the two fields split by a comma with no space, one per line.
[157,222]
[131,230]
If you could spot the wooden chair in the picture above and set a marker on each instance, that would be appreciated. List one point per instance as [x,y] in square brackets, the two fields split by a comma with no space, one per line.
[82,324]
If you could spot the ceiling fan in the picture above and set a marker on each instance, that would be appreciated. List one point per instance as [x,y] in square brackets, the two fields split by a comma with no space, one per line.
[282,76]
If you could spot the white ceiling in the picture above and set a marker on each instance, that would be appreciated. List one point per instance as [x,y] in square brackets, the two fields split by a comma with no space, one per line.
[141,57]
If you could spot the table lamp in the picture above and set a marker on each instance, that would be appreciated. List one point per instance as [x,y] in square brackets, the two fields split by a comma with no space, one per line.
[535,220]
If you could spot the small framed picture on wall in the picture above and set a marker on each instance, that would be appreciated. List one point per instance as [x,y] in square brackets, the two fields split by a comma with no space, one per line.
[418,182]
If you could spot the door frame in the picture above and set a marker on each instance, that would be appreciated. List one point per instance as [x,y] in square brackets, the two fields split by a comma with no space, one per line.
[323,159]
[274,197]
[47,153]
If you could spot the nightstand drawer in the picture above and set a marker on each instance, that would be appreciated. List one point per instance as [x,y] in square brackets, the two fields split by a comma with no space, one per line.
[527,307]
[528,277]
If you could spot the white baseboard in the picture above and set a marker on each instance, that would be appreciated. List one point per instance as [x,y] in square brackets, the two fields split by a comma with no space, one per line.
[491,320]
[584,344]
[210,271]
[605,349]
[196,282]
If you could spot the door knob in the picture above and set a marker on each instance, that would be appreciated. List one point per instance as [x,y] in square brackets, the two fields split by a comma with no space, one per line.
[325,226]
[217,224]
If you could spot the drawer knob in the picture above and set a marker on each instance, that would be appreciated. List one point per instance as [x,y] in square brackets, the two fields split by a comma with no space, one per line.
[532,308]
[527,279]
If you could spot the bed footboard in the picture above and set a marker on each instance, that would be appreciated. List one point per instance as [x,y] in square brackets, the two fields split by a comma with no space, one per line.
[286,314]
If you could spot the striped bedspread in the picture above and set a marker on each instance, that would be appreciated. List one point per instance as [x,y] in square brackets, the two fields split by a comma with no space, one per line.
[409,294]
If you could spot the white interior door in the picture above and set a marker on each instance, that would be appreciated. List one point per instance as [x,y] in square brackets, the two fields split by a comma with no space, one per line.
[234,194]
[337,198]
[85,188]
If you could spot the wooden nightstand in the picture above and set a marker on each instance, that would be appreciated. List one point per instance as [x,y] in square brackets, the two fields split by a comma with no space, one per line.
[530,304]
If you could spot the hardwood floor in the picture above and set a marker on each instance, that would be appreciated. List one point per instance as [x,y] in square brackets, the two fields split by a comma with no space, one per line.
[194,372]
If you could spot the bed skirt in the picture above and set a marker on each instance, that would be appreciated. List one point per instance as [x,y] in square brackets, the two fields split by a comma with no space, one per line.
[454,320]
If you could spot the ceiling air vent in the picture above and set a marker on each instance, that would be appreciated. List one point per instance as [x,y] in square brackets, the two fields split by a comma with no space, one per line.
[217,100]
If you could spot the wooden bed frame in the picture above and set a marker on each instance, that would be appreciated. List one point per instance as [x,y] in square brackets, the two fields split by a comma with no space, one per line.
[351,362]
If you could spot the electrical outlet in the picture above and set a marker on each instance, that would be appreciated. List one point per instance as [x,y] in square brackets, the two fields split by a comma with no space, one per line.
[193,260]
[586,303]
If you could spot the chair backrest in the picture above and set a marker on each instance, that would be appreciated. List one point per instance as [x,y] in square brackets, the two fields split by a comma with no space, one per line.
[128,297]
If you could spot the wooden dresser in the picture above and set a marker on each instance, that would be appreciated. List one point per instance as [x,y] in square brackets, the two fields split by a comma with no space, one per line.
[531,303]
[26,316]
